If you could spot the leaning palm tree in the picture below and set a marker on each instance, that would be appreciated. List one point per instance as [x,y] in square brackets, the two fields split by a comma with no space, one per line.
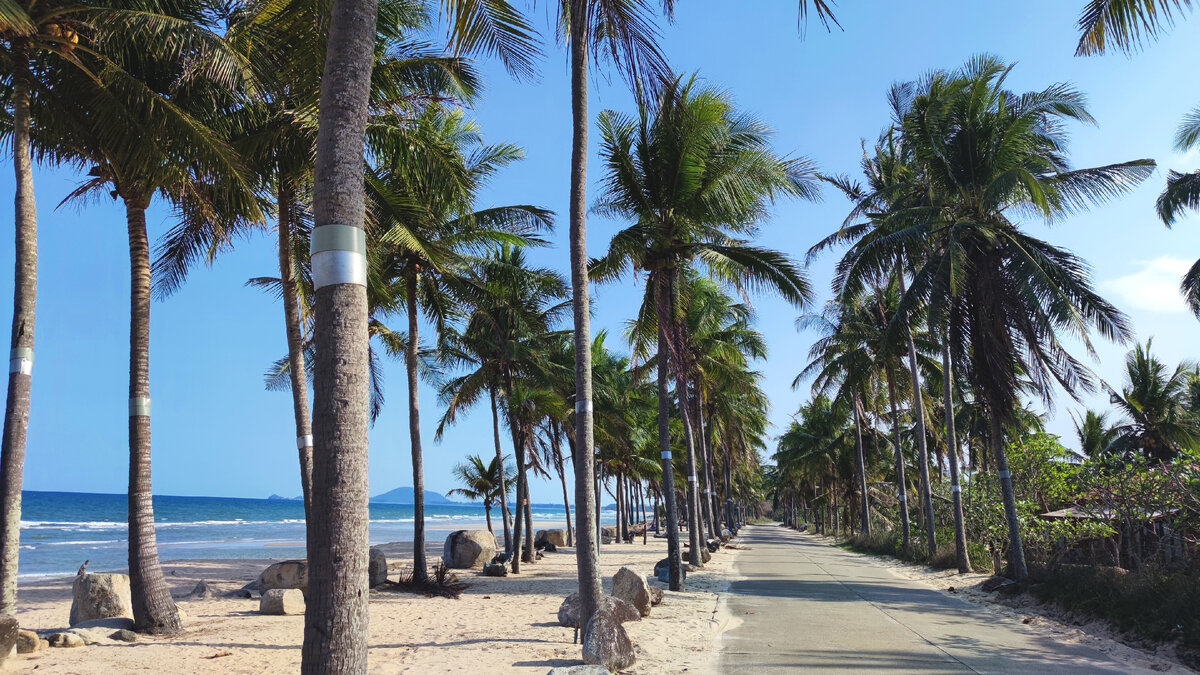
[696,177]
[1005,298]
[481,482]
[150,129]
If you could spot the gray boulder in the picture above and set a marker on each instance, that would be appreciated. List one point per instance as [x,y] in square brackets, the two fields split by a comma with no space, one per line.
[608,534]
[630,586]
[278,601]
[568,612]
[111,624]
[377,570]
[556,537]
[124,636]
[289,574]
[466,549]
[605,642]
[29,642]
[66,640]
[200,592]
[100,596]
[656,596]
[495,569]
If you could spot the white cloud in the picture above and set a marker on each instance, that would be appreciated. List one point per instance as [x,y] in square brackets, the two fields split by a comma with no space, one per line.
[1153,288]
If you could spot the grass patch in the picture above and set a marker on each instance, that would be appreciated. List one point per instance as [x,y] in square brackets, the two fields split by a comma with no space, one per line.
[1151,604]
[888,542]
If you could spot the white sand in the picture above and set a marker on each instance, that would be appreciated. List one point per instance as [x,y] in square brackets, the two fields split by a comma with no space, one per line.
[499,625]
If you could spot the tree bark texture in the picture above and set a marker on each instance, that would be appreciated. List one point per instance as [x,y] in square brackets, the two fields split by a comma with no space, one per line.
[662,300]
[295,341]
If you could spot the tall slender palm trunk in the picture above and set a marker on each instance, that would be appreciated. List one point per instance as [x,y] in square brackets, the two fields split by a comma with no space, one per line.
[960,533]
[1016,551]
[727,470]
[528,554]
[695,528]
[500,460]
[703,446]
[587,561]
[560,465]
[420,567]
[153,609]
[675,573]
[20,364]
[864,515]
[295,342]
[919,431]
[336,616]
[901,481]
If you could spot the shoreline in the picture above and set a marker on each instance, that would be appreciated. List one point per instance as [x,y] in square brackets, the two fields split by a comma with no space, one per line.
[497,625]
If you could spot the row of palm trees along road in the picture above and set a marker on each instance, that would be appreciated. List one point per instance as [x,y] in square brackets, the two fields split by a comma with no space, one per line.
[947,316]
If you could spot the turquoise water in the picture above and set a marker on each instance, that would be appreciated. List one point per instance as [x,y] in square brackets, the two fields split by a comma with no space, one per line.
[59,530]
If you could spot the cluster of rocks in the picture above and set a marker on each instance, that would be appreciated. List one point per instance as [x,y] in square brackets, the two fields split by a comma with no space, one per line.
[605,643]
[549,540]
[101,611]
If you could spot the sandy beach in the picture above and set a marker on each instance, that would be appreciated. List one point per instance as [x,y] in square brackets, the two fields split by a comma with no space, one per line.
[498,625]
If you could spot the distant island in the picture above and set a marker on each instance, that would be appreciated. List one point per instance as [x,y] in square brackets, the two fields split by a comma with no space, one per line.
[404,495]
[286,499]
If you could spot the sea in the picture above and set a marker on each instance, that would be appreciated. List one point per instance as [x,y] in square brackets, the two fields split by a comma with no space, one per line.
[60,530]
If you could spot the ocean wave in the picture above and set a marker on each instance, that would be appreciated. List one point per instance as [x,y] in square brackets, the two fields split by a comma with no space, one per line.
[93,542]
[60,525]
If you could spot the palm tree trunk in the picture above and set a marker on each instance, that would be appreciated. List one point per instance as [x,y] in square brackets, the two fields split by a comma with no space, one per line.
[728,477]
[336,617]
[153,609]
[500,460]
[420,567]
[901,482]
[587,561]
[528,507]
[1016,552]
[919,419]
[20,364]
[295,342]
[706,470]
[519,513]
[695,527]
[960,533]
[560,462]
[864,516]
[487,513]
[675,574]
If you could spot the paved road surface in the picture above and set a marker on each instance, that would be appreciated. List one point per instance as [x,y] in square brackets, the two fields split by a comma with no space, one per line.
[812,608]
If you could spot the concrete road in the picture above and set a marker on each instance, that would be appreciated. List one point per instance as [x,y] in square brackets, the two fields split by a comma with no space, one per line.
[808,607]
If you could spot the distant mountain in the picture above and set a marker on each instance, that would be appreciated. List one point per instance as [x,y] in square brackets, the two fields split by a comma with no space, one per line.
[404,495]
[286,499]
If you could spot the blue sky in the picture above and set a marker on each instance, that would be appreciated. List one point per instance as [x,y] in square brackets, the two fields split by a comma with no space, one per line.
[216,431]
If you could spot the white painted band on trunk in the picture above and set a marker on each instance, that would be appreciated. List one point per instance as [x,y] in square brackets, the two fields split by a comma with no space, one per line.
[304,442]
[666,455]
[956,488]
[330,268]
[139,407]
[902,497]
[1004,474]
[22,366]
[583,406]
[691,479]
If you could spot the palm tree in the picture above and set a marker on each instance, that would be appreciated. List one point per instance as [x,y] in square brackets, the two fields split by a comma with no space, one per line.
[1094,432]
[1182,193]
[482,482]
[1159,422]
[1007,296]
[428,247]
[729,177]
[41,41]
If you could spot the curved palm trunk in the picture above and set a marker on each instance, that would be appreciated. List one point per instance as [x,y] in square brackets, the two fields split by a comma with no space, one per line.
[864,515]
[587,560]
[500,460]
[20,364]
[420,567]
[487,514]
[960,533]
[706,493]
[695,534]
[901,482]
[728,478]
[675,574]
[295,342]
[336,617]
[560,464]
[1016,552]
[153,609]
[922,446]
